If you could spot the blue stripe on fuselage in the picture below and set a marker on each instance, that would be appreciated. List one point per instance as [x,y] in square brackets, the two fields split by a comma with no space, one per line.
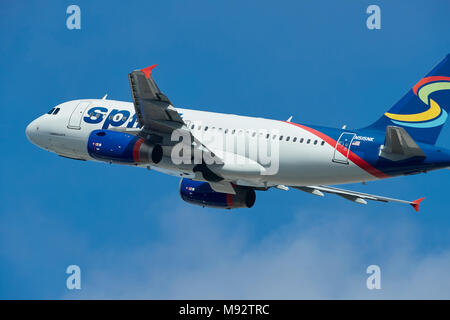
[368,149]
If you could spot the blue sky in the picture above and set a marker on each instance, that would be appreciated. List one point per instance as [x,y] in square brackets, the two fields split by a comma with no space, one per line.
[127,228]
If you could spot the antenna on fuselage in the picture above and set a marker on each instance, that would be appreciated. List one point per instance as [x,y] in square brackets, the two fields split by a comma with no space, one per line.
[290,118]
[105,96]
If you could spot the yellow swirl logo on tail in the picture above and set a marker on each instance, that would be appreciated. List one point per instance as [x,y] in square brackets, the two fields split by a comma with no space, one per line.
[432,117]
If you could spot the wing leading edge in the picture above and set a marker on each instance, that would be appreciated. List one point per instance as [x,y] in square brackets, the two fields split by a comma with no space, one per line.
[355,196]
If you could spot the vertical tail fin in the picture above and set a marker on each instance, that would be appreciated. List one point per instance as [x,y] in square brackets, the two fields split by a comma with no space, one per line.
[424,109]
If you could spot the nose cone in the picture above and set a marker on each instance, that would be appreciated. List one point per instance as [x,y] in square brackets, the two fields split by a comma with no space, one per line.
[31,131]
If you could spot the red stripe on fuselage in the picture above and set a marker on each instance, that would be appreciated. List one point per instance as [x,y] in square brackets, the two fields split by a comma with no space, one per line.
[351,155]
[229,199]
[136,148]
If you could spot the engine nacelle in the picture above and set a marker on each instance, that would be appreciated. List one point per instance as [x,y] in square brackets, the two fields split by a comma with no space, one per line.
[201,193]
[108,145]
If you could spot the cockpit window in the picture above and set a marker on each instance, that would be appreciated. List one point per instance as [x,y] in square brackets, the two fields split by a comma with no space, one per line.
[53,111]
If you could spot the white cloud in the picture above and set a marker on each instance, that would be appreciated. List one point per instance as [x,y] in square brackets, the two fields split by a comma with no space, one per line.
[321,254]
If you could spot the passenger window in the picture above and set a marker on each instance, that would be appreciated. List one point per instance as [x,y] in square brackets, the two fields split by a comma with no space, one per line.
[234,130]
[268,136]
[308,141]
[274,136]
[226,131]
[199,128]
[287,138]
[206,128]
[315,142]
[254,134]
[295,139]
[322,143]
[193,126]
[281,138]
[301,140]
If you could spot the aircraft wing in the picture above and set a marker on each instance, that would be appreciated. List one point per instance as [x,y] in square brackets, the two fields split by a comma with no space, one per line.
[155,113]
[154,110]
[355,196]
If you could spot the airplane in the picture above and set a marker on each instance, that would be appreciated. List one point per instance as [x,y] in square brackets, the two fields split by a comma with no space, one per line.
[222,159]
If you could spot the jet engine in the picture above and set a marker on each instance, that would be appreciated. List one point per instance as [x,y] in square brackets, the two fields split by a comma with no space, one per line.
[113,146]
[201,193]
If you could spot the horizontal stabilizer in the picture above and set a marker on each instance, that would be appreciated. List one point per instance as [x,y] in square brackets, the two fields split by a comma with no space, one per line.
[399,145]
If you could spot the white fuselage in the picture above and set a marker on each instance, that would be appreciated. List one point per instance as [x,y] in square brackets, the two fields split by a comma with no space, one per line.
[304,158]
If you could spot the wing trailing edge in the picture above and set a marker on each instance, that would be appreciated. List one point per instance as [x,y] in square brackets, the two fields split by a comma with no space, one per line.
[355,196]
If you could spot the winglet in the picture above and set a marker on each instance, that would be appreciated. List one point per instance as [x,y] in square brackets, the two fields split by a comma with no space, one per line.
[415,204]
[148,71]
